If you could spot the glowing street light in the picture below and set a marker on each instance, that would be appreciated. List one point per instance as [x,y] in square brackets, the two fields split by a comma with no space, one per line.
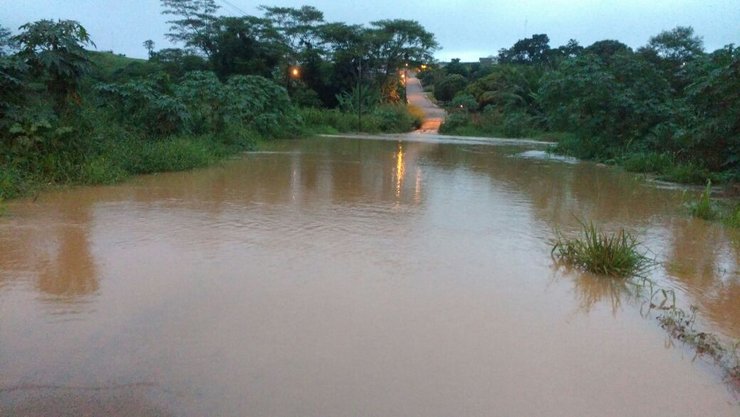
[295,72]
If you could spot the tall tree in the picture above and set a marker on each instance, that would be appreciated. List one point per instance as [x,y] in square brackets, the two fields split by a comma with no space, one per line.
[534,50]
[606,49]
[571,49]
[244,45]
[346,48]
[456,67]
[678,45]
[396,42]
[671,51]
[11,75]
[55,50]
[6,44]
[299,27]
[193,23]
[149,45]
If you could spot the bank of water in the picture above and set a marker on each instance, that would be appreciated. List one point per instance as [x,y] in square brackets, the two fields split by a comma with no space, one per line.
[337,277]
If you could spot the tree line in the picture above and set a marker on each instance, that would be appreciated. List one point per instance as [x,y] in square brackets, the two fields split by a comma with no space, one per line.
[331,58]
[668,107]
[71,115]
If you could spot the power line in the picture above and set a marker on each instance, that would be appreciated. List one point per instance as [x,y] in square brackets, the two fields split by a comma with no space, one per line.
[234,7]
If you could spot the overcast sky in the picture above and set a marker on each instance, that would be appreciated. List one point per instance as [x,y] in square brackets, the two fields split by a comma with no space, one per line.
[466,29]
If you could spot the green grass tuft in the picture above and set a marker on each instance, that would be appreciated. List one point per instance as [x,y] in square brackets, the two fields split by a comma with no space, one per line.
[650,162]
[703,207]
[614,255]
[387,118]
[733,217]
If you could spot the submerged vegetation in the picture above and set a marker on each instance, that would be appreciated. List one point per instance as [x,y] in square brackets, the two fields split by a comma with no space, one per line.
[703,207]
[707,208]
[616,254]
[617,259]
[680,326]
[733,218]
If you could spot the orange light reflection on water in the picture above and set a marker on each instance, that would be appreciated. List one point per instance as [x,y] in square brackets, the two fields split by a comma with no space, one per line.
[400,169]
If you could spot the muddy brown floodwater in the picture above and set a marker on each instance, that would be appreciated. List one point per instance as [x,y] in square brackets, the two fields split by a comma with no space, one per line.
[347,277]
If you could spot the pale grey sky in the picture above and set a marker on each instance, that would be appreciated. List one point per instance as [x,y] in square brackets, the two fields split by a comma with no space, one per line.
[466,29]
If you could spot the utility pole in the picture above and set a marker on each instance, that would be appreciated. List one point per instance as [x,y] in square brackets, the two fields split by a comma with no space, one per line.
[359,98]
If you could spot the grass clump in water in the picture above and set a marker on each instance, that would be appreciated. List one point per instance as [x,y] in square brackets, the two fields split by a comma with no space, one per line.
[614,255]
[703,207]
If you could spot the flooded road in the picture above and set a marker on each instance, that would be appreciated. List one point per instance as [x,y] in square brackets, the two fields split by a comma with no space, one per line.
[415,95]
[348,277]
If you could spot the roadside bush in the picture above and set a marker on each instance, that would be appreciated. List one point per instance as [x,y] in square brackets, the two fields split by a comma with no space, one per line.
[464,101]
[101,169]
[13,181]
[648,162]
[259,103]
[329,121]
[447,88]
[142,105]
[388,118]
[237,138]
[204,98]
[454,121]
[517,124]
[395,118]
[363,98]
[687,173]
[175,153]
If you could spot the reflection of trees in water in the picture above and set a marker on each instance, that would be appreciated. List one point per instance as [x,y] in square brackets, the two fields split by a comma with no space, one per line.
[55,250]
[701,257]
[351,171]
[704,258]
[71,271]
[293,172]
[558,191]
[346,171]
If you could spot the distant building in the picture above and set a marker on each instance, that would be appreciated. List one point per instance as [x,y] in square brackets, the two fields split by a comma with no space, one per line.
[489,60]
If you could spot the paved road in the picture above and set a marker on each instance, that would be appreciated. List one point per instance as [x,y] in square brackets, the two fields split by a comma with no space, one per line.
[416,96]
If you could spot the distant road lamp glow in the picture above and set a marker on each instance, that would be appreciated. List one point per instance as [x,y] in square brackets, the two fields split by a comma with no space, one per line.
[295,72]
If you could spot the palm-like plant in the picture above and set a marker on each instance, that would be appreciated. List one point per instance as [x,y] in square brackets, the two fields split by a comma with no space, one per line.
[55,50]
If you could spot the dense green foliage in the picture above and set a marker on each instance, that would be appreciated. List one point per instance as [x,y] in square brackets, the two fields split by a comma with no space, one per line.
[53,52]
[667,108]
[387,118]
[68,115]
[331,58]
